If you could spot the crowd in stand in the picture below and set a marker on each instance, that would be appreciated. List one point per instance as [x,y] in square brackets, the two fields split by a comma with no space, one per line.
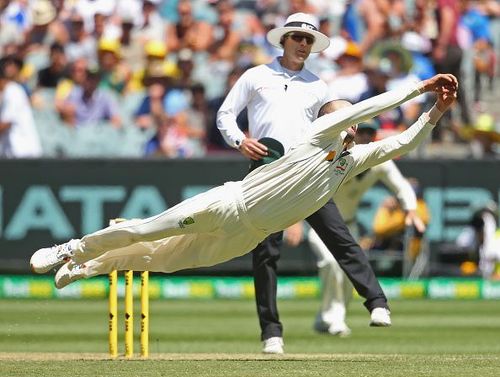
[146,77]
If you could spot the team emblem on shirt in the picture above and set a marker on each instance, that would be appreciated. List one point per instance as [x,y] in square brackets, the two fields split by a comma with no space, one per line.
[186,221]
[340,167]
[331,155]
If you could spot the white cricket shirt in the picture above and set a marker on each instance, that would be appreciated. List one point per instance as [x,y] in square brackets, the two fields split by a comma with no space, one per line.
[290,189]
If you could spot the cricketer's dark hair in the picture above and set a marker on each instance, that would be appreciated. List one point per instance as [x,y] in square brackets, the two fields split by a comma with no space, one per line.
[332,106]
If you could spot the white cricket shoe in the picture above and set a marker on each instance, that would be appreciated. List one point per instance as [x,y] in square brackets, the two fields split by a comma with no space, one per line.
[380,317]
[273,345]
[68,273]
[320,325]
[339,329]
[47,258]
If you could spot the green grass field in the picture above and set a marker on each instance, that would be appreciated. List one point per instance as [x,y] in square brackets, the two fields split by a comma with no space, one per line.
[220,338]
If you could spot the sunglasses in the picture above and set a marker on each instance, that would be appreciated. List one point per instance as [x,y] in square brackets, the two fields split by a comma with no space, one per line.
[299,37]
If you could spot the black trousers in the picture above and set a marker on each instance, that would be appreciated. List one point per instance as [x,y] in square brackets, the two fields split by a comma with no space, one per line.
[330,226]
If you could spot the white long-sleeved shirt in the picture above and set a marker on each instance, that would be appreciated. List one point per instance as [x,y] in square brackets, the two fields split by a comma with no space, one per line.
[352,192]
[279,106]
[21,139]
[290,189]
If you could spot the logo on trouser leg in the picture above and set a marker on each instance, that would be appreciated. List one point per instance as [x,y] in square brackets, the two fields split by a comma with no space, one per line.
[186,221]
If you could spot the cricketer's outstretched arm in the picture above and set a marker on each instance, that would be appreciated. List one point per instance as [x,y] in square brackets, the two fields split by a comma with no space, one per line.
[330,125]
[367,155]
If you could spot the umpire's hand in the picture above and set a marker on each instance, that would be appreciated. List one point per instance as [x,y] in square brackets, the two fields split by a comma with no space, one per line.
[252,149]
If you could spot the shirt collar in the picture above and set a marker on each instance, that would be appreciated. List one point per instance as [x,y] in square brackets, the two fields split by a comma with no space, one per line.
[278,69]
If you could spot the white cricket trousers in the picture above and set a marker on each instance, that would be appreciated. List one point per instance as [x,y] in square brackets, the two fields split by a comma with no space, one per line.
[205,230]
[336,288]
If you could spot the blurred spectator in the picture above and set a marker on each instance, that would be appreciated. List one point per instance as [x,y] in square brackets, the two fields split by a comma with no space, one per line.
[190,123]
[325,63]
[226,51]
[13,71]
[419,47]
[423,20]
[480,41]
[50,76]
[145,114]
[156,65]
[77,76]
[89,105]
[88,9]
[301,6]
[188,32]
[263,7]
[365,14]
[9,34]
[99,26]
[82,44]
[178,134]
[350,23]
[139,23]
[18,134]
[349,82]
[150,24]
[158,78]
[325,26]
[389,224]
[227,38]
[115,73]
[390,122]
[185,64]
[480,236]
[250,28]
[199,106]
[398,63]
[483,135]
[46,29]
[269,22]
[132,45]
[396,17]
[447,56]
[17,12]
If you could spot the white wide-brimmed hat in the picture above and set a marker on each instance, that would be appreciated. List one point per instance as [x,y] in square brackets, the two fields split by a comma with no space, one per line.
[301,22]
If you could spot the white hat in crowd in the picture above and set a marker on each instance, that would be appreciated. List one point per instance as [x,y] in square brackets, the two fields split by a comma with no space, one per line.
[414,42]
[301,22]
[43,12]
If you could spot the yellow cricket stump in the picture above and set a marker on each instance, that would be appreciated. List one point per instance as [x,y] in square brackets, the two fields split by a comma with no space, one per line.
[113,313]
[145,314]
[129,311]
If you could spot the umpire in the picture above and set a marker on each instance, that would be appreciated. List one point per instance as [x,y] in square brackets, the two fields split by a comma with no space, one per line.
[280,98]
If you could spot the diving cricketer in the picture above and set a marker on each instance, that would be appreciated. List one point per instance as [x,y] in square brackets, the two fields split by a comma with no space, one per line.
[208,229]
